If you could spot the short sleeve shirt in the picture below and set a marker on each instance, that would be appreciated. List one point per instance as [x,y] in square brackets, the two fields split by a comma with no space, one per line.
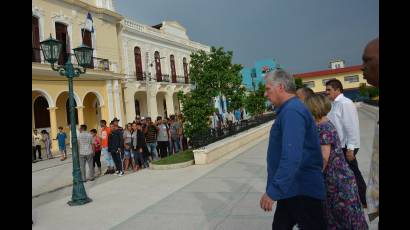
[104,136]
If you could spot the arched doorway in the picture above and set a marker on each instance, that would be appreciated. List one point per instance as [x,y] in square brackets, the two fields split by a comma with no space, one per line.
[137,108]
[177,106]
[92,111]
[140,102]
[63,112]
[161,104]
[41,114]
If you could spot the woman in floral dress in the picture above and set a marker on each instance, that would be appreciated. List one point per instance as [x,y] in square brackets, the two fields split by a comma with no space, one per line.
[343,209]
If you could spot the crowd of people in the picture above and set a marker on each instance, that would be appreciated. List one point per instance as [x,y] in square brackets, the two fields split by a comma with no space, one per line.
[313,173]
[134,147]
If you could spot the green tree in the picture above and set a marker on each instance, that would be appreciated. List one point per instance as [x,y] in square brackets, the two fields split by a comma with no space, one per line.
[299,83]
[214,75]
[255,101]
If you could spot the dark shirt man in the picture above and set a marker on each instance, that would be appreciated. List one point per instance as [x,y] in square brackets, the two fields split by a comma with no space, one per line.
[115,144]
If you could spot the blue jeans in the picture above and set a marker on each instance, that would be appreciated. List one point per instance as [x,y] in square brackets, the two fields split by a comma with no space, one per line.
[152,147]
[108,157]
[176,145]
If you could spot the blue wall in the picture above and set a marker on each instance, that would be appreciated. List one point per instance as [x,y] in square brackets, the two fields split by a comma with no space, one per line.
[246,72]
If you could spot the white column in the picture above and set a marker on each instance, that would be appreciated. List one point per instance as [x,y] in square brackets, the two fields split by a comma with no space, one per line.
[117,102]
[152,100]
[170,103]
[129,103]
[110,101]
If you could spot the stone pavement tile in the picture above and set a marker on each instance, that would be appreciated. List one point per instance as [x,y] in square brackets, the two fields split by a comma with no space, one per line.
[246,204]
[258,184]
[237,169]
[240,222]
[192,203]
[218,185]
[169,222]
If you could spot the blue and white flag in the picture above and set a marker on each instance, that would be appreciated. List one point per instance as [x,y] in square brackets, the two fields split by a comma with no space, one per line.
[89,23]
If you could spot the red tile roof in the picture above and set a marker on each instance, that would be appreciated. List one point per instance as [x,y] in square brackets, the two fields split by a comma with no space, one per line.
[328,72]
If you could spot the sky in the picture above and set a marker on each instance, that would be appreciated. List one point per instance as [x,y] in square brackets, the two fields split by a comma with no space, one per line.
[301,35]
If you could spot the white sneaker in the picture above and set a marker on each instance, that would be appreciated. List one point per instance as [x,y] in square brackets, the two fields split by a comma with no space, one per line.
[121,174]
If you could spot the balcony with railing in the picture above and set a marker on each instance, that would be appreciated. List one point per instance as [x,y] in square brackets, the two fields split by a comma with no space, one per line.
[96,63]
[146,76]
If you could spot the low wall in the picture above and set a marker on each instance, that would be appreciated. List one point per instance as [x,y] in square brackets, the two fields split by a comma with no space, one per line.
[214,151]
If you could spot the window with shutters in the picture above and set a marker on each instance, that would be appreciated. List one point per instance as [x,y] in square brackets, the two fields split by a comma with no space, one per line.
[158,66]
[62,35]
[173,71]
[138,63]
[87,40]
[185,64]
[35,40]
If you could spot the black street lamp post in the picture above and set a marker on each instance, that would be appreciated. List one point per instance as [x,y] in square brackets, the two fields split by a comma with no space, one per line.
[51,50]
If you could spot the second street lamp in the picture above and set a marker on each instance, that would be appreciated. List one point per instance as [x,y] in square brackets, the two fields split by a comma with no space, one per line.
[51,50]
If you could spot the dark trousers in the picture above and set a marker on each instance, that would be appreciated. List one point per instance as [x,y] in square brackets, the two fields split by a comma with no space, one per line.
[35,149]
[304,211]
[163,148]
[117,160]
[138,157]
[361,184]
[96,159]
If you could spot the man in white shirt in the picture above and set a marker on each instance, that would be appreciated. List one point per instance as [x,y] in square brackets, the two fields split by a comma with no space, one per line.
[86,152]
[35,140]
[346,120]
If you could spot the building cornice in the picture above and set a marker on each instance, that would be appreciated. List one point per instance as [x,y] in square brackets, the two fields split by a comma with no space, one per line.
[94,9]
[136,28]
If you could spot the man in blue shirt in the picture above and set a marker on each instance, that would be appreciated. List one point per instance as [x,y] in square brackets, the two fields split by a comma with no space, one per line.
[294,159]
[61,136]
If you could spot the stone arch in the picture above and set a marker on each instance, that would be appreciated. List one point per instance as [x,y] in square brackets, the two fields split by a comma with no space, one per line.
[142,99]
[76,97]
[92,110]
[45,95]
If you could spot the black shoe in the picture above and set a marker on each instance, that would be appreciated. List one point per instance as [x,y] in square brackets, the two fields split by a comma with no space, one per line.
[107,172]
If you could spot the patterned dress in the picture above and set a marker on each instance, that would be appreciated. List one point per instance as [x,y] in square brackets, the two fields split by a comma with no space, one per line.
[343,209]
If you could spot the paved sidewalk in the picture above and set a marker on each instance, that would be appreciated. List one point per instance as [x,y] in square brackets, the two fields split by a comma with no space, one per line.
[222,195]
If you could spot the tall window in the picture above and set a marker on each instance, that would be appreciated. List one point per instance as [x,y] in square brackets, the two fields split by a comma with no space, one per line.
[62,35]
[158,66]
[35,40]
[86,35]
[185,64]
[138,63]
[173,71]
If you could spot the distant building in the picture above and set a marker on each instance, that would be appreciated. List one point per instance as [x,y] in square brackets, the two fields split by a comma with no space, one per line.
[256,73]
[351,77]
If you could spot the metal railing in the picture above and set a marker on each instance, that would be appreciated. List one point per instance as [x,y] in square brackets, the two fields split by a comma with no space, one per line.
[146,76]
[96,63]
[210,135]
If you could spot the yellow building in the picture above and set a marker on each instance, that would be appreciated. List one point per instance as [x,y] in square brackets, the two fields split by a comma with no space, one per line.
[98,92]
[351,77]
